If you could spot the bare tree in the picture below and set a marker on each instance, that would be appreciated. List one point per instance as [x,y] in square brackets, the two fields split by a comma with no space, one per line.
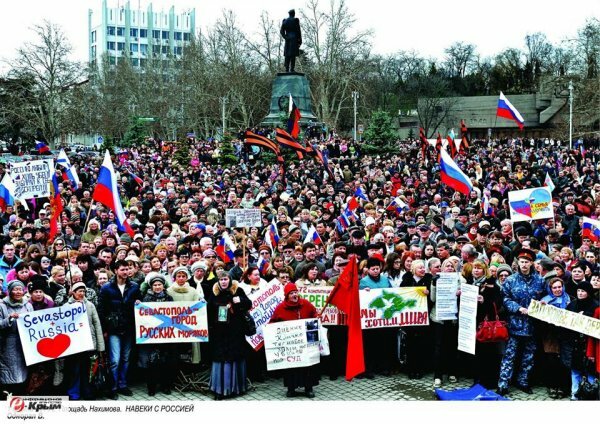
[46,62]
[269,45]
[459,56]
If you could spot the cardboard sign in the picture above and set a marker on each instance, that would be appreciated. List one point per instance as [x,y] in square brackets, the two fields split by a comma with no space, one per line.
[171,322]
[237,218]
[292,344]
[32,179]
[264,303]
[55,332]
[394,307]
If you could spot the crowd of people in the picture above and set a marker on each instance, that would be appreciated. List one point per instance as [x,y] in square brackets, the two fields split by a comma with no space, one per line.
[177,213]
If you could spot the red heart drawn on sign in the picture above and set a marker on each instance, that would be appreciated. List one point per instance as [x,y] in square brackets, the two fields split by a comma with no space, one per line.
[54,347]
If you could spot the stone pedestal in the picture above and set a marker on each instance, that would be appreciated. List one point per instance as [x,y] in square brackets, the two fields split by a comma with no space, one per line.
[285,84]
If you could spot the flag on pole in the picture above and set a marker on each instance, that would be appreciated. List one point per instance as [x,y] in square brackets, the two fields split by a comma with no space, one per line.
[272,238]
[424,143]
[464,139]
[548,182]
[488,209]
[225,248]
[312,236]
[107,193]
[361,194]
[56,206]
[508,111]
[42,148]
[7,191]
[293,123]
[70,171]
[590,228]
[452,176]
[345,296]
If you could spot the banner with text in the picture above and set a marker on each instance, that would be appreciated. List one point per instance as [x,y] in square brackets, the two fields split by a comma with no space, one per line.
[395,307]
[55,333]
[171,322]
[292,344]
[446,304]
[264,303]
[563,318]
[32,178]
[318,297]
[530,204]
[237,218]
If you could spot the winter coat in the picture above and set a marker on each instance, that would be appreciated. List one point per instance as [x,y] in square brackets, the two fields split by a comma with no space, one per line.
[116,309]
[186,293]
[12,360]
[593,346]
[368,282]
[95,325]
[156,353]
[4,268]
[573,345]
[518,291]
[287,311]
[492,296]
[227,339]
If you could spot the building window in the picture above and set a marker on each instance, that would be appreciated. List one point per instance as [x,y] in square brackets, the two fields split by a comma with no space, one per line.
[93,36]
[120,47]
[143,33]
[156,49]
[135,61]
[121,31]
[110,30]
[178,51]
[155,33]
[144,48]
[143,62]
[165,35]
[133,32]
[186,36]
[165,49]
[178,36]
[112,60]
[93,51]
[133,47]
[110,45]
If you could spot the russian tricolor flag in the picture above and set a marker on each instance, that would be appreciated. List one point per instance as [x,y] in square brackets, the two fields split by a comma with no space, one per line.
[313,237]
[7,191]
[42,148]
[452,176]
[293,124]
[398,204]
[590,228]
[70,171]
[508,111]
[272,239]
[488,210]
[361,194]
[263,265]
[225,248]
[137,179]
[107,193]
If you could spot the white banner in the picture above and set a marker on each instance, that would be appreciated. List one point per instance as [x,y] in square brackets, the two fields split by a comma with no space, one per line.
[395,307]
[264,303]
[171,322]
[236,218]
[292,344]
[563,318]
[446,304]
[318,296]
[32,179]
[55,333]
[530,204]
[467,318]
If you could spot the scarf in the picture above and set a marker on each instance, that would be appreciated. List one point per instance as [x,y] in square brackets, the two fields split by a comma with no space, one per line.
[560,302]
[13,303]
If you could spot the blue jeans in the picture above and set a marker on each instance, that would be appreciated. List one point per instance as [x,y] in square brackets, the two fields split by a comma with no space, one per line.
[576,377]
[119,349]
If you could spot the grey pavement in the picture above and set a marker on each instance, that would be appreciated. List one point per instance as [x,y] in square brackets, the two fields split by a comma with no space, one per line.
[394,387]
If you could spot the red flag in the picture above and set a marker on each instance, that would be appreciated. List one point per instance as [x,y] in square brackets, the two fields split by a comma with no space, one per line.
[424,142]
[452,146]
[464,142]
[353,203]
[438,146]
[345,296]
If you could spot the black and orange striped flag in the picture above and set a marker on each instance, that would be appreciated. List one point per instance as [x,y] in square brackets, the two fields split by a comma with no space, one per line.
[285,139]
[424,142]
[464,142]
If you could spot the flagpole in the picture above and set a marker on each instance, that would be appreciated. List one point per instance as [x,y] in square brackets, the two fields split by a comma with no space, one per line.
[87,218]
[244,250]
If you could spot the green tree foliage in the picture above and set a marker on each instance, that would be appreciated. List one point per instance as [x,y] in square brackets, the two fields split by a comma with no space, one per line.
[227,155]
[380,130]
[135,134]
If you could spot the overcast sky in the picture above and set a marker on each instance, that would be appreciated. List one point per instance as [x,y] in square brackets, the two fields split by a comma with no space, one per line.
[426,26]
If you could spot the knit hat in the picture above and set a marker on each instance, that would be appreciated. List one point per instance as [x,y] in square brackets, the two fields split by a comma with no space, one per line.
[584,285]
[264,247]
[181,269]
[199,264]
[15,283]
[209,252]
[504,268]
[153,277]
[38,282]
[289,287]
[77,286]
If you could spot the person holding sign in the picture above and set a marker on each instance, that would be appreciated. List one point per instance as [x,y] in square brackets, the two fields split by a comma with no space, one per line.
[293,307]
[226,318]
[77,366]
[13,370]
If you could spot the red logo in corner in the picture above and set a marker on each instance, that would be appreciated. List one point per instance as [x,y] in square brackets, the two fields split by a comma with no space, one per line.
[16,403]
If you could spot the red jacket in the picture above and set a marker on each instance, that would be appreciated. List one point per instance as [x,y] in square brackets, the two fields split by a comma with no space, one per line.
[287,311]
[593,347]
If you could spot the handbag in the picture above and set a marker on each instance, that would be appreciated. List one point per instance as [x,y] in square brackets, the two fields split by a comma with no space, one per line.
[323,341]
[249,325]
[492,331]
[402,345]
[99,375]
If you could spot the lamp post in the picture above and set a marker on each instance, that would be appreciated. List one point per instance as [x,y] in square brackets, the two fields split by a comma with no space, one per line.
[571,115]
[223,103]
[355,97]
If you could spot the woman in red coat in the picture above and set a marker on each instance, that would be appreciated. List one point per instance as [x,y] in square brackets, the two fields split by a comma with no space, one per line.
[293,307]
[593,346]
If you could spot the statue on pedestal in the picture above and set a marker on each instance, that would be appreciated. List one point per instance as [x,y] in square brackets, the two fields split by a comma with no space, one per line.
[290,31]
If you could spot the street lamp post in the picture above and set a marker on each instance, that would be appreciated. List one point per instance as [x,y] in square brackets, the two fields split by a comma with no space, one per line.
[223,103]
[570,114]
[355,97]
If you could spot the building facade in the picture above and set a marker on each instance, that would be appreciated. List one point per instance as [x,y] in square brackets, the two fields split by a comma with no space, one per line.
[124,32]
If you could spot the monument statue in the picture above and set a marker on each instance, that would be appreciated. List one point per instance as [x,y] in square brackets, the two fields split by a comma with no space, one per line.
[290,31]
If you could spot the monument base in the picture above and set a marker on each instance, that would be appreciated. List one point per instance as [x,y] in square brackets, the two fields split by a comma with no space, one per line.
[296,84]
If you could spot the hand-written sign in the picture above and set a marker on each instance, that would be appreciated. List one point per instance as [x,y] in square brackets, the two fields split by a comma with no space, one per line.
[32,179]
[467,318]
[292,344]
[318,297]
[446,305]
[264,303]
[55,332]
[171,322]
[394,307]
[563,318]
[237,218]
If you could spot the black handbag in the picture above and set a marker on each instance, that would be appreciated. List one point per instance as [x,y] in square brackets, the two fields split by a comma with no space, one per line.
[249,325]
[100,376]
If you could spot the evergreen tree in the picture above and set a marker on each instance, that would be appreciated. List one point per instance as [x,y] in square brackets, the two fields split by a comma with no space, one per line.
[182,153]
[380,131]
[227,155]
[136,133]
